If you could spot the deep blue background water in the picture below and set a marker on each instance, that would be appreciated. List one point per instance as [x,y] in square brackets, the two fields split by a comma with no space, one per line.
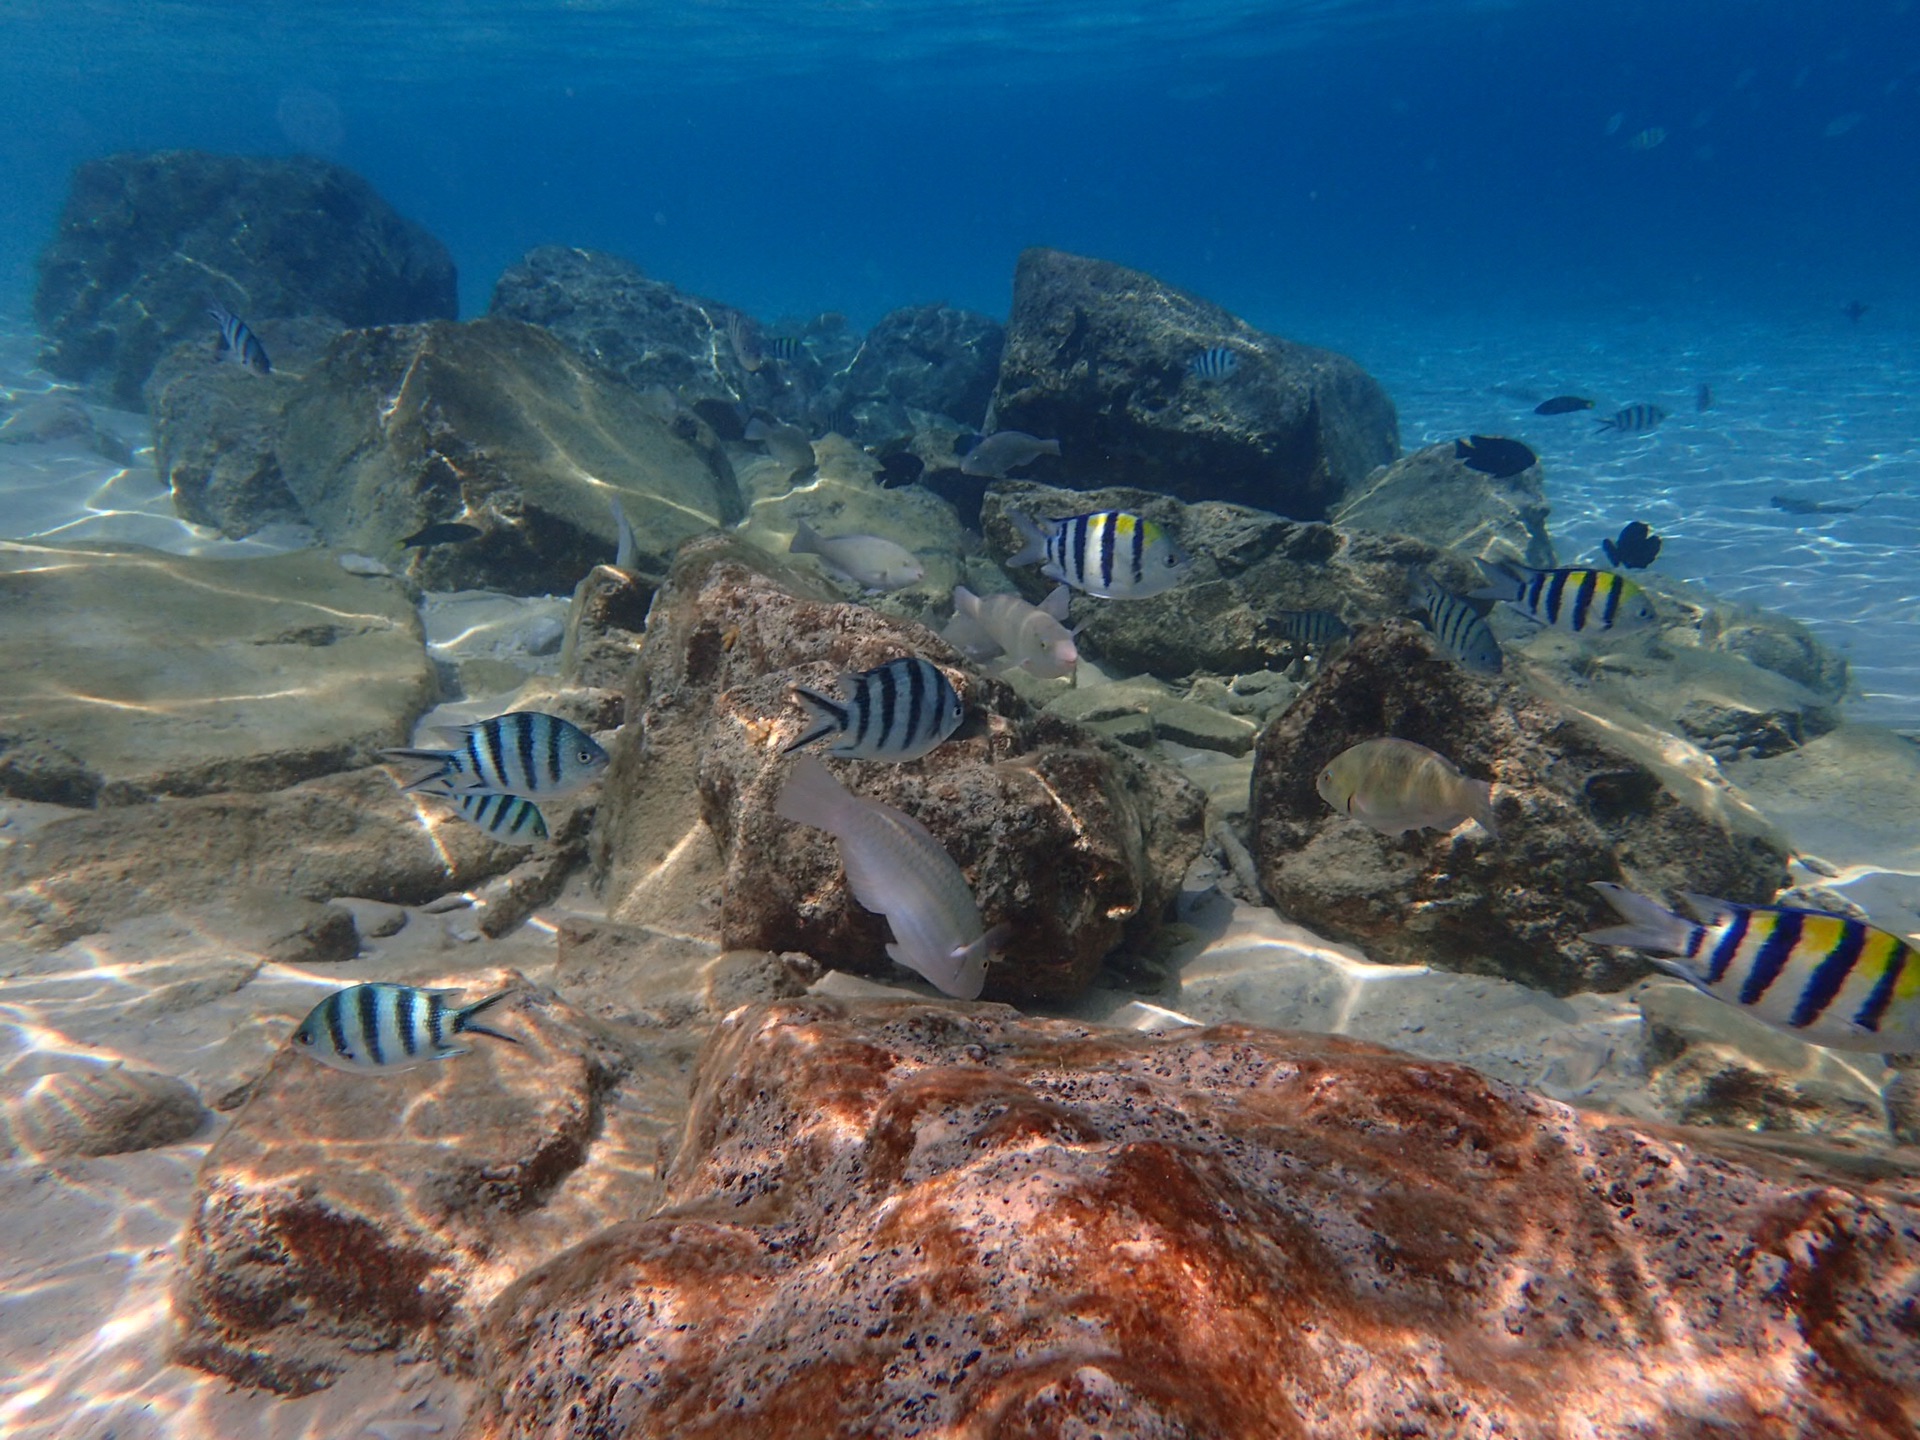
[1302,164]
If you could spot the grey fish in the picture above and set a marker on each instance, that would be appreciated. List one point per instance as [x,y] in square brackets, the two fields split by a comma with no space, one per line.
[238,343]
[1214,363]
[1315,629]
[1461,630]
[869,561]
[896,711]
[445,532]
[1633,420]
[1800,505]
[525,752]
[1005,450]
[746,344]
[1563,405]
[378,1028]
[1114,554]
[788,444]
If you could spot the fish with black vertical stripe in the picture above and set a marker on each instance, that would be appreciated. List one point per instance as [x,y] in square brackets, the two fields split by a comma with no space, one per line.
[1828,979]
[1113,554]
[1574,598]
[525,753]
[238,343]
[510,819]
[378,1028]
[896,711]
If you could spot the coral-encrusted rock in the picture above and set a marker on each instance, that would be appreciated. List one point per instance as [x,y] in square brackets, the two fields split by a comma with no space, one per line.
[1575,803]
[497,424]
[1438,497]
[341,1213]
[147,239]
[899,1220]
[1097,358]
[1079,847]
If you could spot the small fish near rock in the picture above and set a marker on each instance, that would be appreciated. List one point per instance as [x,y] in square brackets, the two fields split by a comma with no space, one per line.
[896,711]
[378,1028]
[510,819]
[1005,450]
[445,532]
[1574,598]
[238,343]
[1460,628]
[1317,630]
[1636,549]
[1494,455]
[869,561]
[1394,786]
[1633,420]
[524,752]
[1113,554]
[1216,362]
[1026,637]
[1563,405]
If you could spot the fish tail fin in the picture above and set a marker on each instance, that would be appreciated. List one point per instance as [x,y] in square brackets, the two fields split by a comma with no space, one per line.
[1605,423]
[827,716]
[431,766]
[805,541]
[623,554]
[1033,538]
[1504,582]
[463,1021]
[1480,805]
[812,796]
[1649,926]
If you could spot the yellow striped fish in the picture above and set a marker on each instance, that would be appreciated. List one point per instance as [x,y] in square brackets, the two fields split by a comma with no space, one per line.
[1829,979]
[1575,597]
[1113,554]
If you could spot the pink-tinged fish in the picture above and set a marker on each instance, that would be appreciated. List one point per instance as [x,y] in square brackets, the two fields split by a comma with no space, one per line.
[1030,637]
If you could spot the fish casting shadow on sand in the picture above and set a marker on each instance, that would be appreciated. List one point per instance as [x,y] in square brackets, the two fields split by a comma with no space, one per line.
[1801,505]
[1636,549]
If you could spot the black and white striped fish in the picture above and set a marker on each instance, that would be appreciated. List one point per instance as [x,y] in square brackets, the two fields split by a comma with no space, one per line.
[524,753]
[784,347]
[238,343]
[1315,629]
[1829,979]
[1214,363]
[1114,554]
[507,818]
[896,711]
[378,1028]
[1573,598]
[1634,420]
[1461,630]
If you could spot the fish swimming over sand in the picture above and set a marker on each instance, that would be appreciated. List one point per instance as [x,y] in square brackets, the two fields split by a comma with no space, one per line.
[1633,420]
[1703,398]
[1315,629]
[524,752]
[1216,362]
[1114,554]
[1854,310]
[1802,505]
[897,869]
[377,1028]
[1494,455]
[1636,549]
[869,561]
[1005,450]
[238,343]
[1461,630]
[896,711]
[444,532]
[1829,979]
[1031,637]
[1562,405]
[1650,138]
[1574,598]
[1394,786]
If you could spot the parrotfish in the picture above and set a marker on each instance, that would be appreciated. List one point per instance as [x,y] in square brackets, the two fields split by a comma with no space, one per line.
[1030,637]
[869,561]
[1005,450]
[1394,785]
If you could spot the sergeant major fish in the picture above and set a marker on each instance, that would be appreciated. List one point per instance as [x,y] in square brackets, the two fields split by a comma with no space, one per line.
[1574,598]
[1216,362]
[869,561]
[379,1028]
[507,818]
[524,752]
[896,868]
[1315,629]
[1633,420]
[1113,554]
[896,711]
[1005,450]
[1829,979]
[1031,637]
[1461,630]
[238,343]
[1394,786]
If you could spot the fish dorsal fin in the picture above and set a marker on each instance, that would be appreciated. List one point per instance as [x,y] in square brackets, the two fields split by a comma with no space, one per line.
[1706,909]
[1056,602]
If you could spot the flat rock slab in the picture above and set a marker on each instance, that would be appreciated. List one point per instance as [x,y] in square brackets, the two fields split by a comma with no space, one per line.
[894,1219]
[136,674]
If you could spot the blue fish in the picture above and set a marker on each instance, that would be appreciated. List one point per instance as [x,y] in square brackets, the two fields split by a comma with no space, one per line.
[1214,363]
[238,343]
[525,753]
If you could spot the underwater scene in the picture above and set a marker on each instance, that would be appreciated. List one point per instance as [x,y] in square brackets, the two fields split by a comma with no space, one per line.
[1172,719]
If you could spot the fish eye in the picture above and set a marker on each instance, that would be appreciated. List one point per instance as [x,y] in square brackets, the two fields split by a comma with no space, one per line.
[303,1037]
[585,757]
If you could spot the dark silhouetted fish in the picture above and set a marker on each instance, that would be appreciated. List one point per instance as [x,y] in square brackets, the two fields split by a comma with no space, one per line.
[1853,310]
[1563,405]
[445,532]
[1214,363]
[238,343]
[1800,505]
[902,467]
[1636,549]
[1494,455]
[1703,398]
[1634,420]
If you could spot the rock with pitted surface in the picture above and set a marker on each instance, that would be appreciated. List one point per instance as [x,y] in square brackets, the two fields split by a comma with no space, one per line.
[933,359]
[1102,359]
[148,239]
[1578,796]
[901,1219]
[1438,497]
[1076,845]
[496,425]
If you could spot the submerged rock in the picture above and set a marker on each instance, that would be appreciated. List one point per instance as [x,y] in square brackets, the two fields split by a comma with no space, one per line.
[895,1219]
[1078,847]
[105,1111]
[1431,494]
[497,425]
[1098,357]
[933,359]
[1577,797]
[148,239]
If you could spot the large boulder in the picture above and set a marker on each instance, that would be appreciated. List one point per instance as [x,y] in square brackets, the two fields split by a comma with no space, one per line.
[1078,846]
[1097,357]
[136,674]
[932,359]
[1578,798]
[1435,495]
[148,239]
[498,425]
[905,1220]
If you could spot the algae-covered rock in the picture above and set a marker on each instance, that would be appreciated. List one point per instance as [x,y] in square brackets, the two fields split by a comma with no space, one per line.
[1434,495]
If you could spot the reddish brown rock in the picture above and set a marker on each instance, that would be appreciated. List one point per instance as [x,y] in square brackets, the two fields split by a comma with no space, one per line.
[343,1213]
[1575,803]
[1079,846]
[895,1220]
